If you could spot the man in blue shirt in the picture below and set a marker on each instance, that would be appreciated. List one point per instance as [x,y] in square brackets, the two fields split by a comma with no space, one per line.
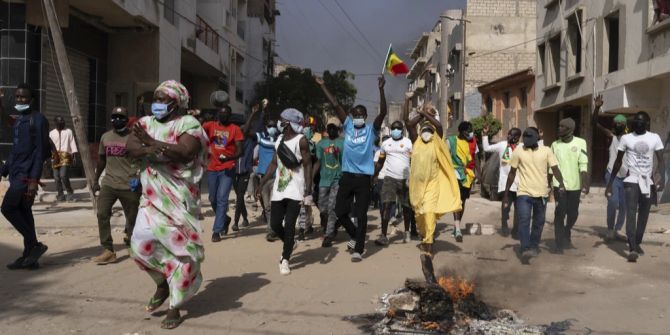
[266,149]
[357,166]
[31,147]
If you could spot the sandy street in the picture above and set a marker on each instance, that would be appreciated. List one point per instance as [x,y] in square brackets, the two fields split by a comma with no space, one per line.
[243,292]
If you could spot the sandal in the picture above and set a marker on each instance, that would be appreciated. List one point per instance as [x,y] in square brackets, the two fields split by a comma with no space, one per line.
[171,322]
[155,302]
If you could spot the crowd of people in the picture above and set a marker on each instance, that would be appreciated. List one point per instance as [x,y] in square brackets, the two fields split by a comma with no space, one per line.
[154,168]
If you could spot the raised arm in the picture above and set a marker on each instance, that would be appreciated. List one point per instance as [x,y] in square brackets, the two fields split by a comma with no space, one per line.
[341,113]
[434,121]
[597,104]
[382,105]
[246,128]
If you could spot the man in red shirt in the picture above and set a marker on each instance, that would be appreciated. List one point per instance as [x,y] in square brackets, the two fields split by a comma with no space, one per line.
[225,147]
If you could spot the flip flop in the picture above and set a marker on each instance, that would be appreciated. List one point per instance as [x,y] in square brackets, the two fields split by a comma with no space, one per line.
[154,303]
[171,323]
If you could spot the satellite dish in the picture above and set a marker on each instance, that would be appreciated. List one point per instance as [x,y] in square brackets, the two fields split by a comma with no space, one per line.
[219,98]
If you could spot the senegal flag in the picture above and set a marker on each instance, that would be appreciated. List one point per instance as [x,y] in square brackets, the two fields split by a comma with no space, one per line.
[394,65]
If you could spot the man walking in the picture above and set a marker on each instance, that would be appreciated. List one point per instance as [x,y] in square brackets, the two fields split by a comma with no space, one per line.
[504,149]
[357,166]
[532,161]
[225,147]
[464,157]
[64,158]
[30,148]
[243,169]
[618,199]
[121,182]
[394,157]
[643,182]
[266,140]
[573,161]
[306,220]
[329,164]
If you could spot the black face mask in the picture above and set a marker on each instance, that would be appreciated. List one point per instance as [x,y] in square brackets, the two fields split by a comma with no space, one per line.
[639,126]
[119,123]
[224,119]
[60,126]
[333,132]
[619,129]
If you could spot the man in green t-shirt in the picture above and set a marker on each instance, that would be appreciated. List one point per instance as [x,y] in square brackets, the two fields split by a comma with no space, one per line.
[329,164]
[119,183]
[573,161]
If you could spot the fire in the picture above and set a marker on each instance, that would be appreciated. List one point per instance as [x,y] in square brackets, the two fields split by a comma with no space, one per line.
[457,288]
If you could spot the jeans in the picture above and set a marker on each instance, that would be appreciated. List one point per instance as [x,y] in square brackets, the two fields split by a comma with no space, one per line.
[636,202]
[130,201]
[62,179]
[528,208]
[506,210]
[327,200]
[567,205]
[241,183]
[616,202]
[220,183]
[354,187]
[285,211]
[17,209]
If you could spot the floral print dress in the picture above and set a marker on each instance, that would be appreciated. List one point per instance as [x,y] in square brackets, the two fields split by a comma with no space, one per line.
[166,240]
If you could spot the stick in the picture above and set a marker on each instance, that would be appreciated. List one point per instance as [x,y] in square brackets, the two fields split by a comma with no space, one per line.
[386,59]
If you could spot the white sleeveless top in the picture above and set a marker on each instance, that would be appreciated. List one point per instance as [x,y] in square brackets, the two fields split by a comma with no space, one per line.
[289,184]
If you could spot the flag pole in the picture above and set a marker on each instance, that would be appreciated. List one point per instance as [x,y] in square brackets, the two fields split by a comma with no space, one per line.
[386,59]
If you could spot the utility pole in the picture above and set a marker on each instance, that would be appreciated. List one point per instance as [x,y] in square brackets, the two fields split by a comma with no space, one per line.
[73,103]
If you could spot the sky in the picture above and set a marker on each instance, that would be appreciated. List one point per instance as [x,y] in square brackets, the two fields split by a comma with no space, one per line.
[317,34]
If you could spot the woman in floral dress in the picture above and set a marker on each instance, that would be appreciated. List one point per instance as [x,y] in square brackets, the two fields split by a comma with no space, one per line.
[166,240]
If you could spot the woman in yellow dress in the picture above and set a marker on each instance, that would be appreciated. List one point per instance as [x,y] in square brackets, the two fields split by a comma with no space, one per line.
[433,186]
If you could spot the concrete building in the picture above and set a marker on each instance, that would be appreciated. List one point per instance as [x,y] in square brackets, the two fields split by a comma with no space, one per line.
[120,50]
[466,49]
[617,48]
[510,100]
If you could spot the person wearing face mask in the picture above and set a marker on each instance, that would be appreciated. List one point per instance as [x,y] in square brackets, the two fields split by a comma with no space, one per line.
[394,158]
[433,185]
[573,161]
[617,202]
[225,147]
[464,158]
[30,148]
[306,219]
[243,168]
[293,184]
[329,164]
[532,162]
[266,140]
[504,150]
[643,182]
[63,158]
[121,182]
[357,166]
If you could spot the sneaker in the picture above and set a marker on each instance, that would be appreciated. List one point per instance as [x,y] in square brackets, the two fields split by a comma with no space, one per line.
[620,237]
[271,237]
[534,252]
[34,255]
[17,264]
[284,268]
[382,241]
[504,231]
[236,227]
[106,257]
[70,198]
[610,235]
[405,237]
[526,255]
[216,237]
[301,234]
[226,226]
[356,257]
[60,197]
[632,256]
[245,223]
[351,245]
[458,235]
[639,250]
[327,242]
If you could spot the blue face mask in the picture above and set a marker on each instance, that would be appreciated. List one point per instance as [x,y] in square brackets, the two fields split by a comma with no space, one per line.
[272,131]
[308,133]
[396,134]
[160,110]
[22,107]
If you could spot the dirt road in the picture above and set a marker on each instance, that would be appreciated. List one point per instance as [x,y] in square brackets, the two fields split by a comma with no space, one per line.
[243,292]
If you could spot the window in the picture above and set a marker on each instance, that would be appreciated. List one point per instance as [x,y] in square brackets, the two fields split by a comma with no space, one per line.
[506,100]
[524,98]
[553,74]
[489,105]
[169,12]
[541,59]
[611,49]
[574,38]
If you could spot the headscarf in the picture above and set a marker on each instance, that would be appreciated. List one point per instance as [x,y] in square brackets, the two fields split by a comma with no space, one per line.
[294,117]
[568,123]
[176,91]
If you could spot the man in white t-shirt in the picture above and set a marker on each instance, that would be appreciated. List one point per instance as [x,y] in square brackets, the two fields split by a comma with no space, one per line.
[394,158]
[504,150]
[65,158]
[642,183]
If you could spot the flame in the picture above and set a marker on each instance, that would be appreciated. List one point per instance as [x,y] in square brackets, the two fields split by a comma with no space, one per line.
[457,288]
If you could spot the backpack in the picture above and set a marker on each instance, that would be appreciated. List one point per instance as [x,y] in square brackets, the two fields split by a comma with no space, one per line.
[47,145]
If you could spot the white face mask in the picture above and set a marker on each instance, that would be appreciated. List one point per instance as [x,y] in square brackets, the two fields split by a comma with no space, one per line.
[359,122]
[426,136]
[471,135]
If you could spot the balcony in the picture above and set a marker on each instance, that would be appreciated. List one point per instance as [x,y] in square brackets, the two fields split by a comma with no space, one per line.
[420,44]
[206,34]
[241,29]
[417,68]
[418,86]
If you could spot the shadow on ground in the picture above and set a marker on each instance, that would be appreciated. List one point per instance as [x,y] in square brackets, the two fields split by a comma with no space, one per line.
[223,294]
